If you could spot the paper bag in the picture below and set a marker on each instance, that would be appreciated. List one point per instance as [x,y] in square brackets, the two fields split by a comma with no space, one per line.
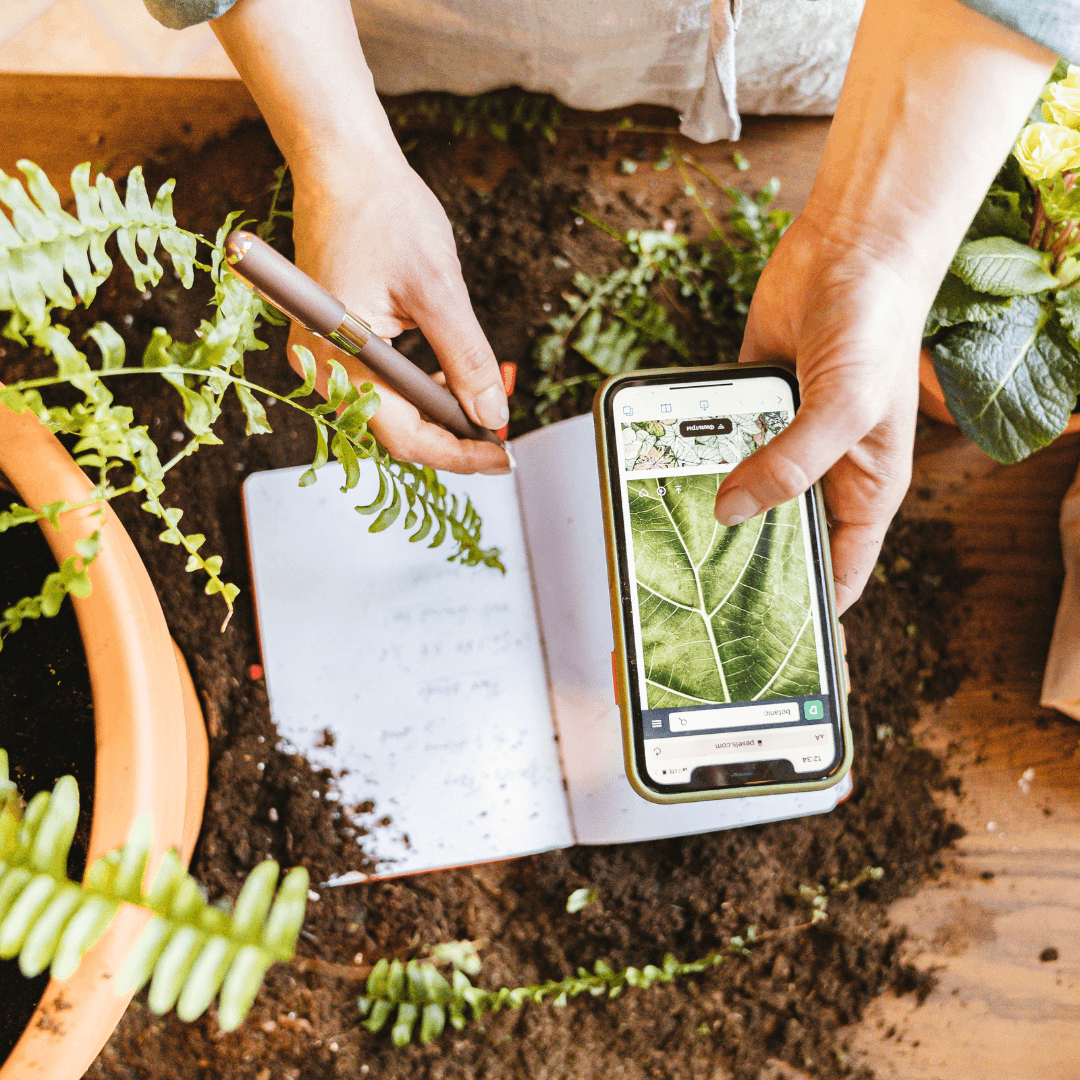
[1061,682]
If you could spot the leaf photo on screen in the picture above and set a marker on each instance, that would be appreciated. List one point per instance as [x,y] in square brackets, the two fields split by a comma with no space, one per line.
[726,613]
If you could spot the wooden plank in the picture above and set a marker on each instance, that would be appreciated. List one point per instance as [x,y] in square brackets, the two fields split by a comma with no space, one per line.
[113,122]
[1012,888]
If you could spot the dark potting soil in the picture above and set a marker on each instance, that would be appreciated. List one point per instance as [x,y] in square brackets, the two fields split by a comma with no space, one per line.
[788,1000]
[46,727]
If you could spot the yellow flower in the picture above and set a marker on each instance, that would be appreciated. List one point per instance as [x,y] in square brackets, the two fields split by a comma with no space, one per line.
[1063,100]
[1045,150]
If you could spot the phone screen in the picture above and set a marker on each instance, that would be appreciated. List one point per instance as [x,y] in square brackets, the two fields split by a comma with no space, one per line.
[730,639]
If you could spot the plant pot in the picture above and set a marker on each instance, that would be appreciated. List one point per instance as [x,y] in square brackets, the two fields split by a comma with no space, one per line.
[151,754]
[932,397]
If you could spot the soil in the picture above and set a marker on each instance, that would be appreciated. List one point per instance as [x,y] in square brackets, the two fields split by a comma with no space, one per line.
[779,1009]
[44,690]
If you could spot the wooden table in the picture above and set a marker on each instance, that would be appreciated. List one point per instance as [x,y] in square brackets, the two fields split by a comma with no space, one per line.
[1010,891]
[1012,888]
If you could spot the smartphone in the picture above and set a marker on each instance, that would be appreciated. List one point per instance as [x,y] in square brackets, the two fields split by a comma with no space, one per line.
[728,658]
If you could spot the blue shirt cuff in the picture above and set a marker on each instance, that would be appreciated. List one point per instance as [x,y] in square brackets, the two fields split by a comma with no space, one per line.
[1053,23]
[180,14]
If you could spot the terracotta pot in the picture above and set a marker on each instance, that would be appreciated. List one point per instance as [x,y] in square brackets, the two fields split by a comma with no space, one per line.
[932,397]
[151,743]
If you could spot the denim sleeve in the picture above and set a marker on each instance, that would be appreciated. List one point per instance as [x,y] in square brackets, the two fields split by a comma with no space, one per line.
[178,14]
[1053,23]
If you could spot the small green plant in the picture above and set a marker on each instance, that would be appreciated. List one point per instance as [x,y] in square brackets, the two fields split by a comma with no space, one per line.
[580,899]
[402,994]
[618,320]
[50,260]
[189,953]
[498,112]
[1004,329]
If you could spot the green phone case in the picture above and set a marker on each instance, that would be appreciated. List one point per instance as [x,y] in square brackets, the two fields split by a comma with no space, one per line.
[620,661]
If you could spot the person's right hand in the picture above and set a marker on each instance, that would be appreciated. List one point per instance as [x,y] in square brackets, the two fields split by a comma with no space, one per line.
[933,97]
[851,324]
[373,233]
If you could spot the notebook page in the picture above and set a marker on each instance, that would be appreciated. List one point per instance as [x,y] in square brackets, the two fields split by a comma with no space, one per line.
[427,675]
[560,500]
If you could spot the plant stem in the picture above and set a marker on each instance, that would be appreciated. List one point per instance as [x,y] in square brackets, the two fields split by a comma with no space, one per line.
[1038,221]
[679,161]
[1068,234]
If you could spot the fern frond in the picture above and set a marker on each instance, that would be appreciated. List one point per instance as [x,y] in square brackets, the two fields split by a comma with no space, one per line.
[71,577]
[498,112]
[405,993]
[402,485]
[190,953]
[401,994]
[42,243]
[613,321]
[50,258]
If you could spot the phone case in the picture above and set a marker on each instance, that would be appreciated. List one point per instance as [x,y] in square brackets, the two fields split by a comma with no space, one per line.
[620,663]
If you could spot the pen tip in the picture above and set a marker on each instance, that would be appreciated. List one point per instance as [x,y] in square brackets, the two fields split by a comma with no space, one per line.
[237,245]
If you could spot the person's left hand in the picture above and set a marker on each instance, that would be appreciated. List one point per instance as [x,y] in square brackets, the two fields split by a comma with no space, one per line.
[378,238]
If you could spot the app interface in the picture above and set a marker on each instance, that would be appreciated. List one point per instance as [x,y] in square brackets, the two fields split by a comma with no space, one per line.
[728,622]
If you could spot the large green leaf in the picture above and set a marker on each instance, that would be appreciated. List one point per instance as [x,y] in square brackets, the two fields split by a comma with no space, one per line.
[956,302]
[725,612]
[1010,383]
[1001,214]
[1003,267]
[1068,309]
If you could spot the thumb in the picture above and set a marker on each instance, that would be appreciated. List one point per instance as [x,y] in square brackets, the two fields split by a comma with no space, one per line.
[447,320]
[825,428]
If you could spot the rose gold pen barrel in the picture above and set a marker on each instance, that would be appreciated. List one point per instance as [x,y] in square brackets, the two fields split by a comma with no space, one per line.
[304,300]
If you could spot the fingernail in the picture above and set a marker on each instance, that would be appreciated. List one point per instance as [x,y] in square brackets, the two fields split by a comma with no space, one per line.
[491,408]
[735,506]
[502,470]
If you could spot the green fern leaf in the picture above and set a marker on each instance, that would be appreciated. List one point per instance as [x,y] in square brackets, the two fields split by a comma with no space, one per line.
[190,952]
[43,248]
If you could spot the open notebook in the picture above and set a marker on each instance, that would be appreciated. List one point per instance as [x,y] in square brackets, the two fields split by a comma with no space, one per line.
[474,710]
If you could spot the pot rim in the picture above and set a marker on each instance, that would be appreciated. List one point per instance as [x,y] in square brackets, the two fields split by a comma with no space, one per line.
[151,754]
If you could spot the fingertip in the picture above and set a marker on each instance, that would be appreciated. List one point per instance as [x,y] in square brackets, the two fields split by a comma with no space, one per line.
[491,407]
[736,505]
[845,595]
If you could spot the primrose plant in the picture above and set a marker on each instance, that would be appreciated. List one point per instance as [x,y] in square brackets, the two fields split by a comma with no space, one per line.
[1004,329]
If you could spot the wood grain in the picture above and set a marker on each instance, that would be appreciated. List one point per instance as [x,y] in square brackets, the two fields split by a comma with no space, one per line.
[113,122]
[1012,888]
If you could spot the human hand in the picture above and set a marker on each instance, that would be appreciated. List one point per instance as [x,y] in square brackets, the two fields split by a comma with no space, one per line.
[373,233]
[851,324]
